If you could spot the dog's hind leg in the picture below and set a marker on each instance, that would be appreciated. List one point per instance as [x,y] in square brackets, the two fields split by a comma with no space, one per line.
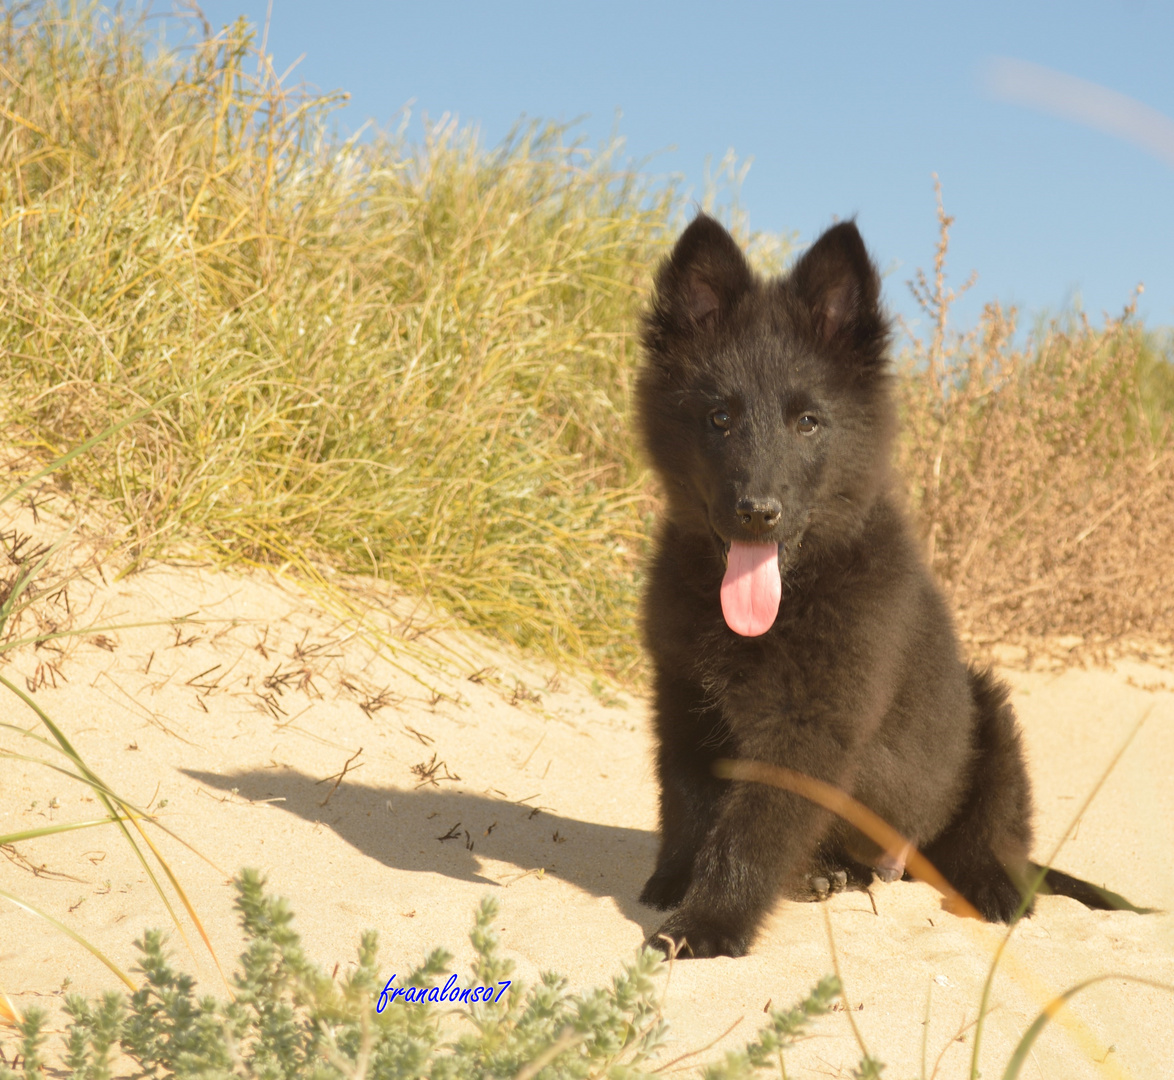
[984,851]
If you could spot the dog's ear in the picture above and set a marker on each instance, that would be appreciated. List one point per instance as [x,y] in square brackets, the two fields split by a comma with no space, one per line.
[698,284]
[838,284]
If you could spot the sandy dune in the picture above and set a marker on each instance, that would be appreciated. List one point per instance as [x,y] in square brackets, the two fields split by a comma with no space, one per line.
[474,771]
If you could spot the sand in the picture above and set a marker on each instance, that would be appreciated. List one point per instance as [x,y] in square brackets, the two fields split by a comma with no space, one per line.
[473,770]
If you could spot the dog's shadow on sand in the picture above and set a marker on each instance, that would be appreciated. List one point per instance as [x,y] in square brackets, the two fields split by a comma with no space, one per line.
[448,832]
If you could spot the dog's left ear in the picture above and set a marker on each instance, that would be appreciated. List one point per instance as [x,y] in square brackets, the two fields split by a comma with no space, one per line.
[839,285]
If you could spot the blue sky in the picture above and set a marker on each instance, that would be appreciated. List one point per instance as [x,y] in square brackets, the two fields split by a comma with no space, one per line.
[845,108]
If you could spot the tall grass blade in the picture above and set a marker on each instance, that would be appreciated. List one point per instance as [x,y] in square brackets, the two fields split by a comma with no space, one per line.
[984,1001]
[51,830]
[69,932]
[77,451]
[1023,1048]
[120,811]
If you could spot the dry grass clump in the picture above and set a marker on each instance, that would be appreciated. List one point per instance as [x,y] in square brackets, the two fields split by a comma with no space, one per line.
[407,360]
[1043,476]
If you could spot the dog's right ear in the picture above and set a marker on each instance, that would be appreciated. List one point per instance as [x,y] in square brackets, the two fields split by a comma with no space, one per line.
[698,284]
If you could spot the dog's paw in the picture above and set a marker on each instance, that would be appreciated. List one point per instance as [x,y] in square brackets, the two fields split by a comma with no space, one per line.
[665,889]
[819,886]
[996,899]
[691,938]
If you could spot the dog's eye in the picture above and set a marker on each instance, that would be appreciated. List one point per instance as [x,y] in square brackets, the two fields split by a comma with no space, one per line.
[720,419]
[807,424]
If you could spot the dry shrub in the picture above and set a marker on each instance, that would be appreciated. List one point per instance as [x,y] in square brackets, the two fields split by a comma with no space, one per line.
[1042,476]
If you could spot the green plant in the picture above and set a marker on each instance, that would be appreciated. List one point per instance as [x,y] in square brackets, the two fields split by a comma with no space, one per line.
[786,1025]
[289,1019]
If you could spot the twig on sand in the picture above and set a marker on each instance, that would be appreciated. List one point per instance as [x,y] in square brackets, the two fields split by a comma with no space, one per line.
[337,777]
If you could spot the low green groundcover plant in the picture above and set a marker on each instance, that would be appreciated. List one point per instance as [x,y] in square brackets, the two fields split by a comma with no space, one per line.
[290,1019]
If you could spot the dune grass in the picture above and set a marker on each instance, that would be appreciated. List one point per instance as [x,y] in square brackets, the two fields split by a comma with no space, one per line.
[412,361]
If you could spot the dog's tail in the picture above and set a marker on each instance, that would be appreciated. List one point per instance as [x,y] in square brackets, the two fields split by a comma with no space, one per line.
[1057,883]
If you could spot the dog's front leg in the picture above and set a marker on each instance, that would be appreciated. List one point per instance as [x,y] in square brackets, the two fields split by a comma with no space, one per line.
[763,837]
[691,737]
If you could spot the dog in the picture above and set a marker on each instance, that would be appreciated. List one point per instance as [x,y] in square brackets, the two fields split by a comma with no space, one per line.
[789,615]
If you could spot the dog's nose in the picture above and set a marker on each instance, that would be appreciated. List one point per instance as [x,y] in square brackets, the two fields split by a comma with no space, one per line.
[759,515]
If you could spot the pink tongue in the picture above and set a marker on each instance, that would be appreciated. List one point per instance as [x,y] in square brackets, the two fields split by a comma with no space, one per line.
[751,589]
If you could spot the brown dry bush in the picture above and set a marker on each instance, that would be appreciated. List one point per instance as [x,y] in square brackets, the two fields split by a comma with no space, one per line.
[1042,477]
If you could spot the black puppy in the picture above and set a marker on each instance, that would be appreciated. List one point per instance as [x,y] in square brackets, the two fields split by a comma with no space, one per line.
[789,615]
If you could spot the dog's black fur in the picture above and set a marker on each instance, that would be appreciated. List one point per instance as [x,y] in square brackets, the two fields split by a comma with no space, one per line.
[858,682]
